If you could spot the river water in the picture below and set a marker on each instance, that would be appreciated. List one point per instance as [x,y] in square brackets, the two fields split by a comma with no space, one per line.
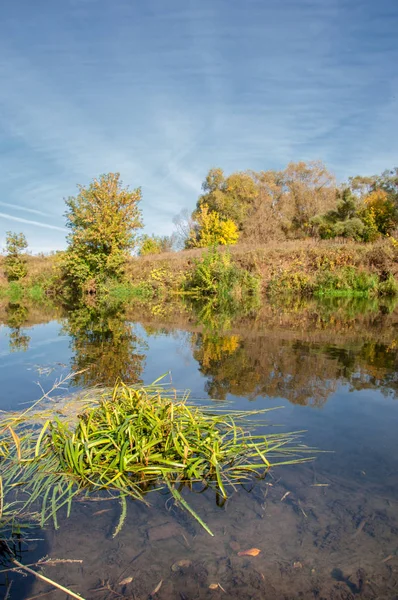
[326,529]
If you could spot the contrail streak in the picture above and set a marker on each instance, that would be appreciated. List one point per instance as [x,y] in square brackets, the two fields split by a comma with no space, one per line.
[19,207]
[30,222]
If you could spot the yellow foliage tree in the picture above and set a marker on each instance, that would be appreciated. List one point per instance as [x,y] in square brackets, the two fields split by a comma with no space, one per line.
[382,210]
[212,230]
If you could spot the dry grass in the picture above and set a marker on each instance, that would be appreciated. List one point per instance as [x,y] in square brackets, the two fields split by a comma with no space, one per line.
[264,259]
[268,259]
[39,268]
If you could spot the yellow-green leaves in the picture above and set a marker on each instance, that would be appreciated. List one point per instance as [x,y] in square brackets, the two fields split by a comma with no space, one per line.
[102,219]
[212,230]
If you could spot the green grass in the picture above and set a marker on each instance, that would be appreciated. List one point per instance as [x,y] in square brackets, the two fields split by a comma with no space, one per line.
[120,292]
[36,293]
[133,441]
[344,282]
[13,292]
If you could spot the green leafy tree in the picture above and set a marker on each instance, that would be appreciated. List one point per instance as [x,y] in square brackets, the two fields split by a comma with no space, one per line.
[155,244]
[15,261]
[103,219]
[231,197]
[344,221]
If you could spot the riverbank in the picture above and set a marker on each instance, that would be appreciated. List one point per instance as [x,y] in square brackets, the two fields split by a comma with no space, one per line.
[305,267]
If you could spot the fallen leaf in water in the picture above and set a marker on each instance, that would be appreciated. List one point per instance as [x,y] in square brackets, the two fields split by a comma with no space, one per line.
[157,588]
[101,512]
[250,552]
[285,496]
[181,564]
[125,581]
[217,586]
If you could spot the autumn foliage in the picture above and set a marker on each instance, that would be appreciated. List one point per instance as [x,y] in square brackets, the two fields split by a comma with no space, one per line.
[103,219]
[302,200]
[212,230]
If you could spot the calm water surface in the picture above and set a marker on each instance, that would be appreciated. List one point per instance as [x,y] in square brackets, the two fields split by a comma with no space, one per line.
[327,529]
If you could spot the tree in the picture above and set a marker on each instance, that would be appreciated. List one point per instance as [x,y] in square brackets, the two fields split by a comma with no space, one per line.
[270,204]
[15,261]
[103,219]
[155,244]
[387,182]
[384,210]
[307,190]
[343,221]
[211,230]
[231,197]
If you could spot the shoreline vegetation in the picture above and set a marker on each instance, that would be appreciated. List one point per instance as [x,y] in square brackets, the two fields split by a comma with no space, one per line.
[251,235]
[238,274]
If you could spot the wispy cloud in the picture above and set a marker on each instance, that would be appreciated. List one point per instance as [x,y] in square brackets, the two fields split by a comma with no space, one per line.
[24,209]
[30,222]
[163,93]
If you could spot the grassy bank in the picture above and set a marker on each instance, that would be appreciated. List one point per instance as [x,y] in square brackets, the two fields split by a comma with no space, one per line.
[306,267]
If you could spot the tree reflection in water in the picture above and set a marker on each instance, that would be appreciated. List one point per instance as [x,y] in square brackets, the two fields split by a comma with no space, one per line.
[283,362]
[16,316]
[104,345]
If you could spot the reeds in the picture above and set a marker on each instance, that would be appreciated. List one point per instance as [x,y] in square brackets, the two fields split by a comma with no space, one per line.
[133,441]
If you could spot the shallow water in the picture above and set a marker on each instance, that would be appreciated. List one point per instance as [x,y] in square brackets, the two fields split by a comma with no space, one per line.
[327,529]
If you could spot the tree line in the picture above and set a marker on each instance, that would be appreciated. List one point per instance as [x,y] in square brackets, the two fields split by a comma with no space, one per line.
[302,200]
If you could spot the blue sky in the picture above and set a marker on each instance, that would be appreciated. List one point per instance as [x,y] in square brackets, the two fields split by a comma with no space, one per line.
[163,90]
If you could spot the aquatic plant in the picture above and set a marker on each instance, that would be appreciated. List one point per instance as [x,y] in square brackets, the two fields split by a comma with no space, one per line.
[130,441]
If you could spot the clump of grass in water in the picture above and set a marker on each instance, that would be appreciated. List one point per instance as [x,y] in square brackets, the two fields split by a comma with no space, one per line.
[136,440]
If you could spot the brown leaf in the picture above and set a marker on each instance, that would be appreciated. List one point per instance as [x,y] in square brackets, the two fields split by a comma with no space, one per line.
[125,581]
[250,552]
[181,564]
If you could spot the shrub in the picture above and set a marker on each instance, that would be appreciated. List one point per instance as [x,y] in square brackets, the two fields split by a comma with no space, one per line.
[15,262]
[155,244]
[388,287]
[216,275]
[288,282]
[345,281]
